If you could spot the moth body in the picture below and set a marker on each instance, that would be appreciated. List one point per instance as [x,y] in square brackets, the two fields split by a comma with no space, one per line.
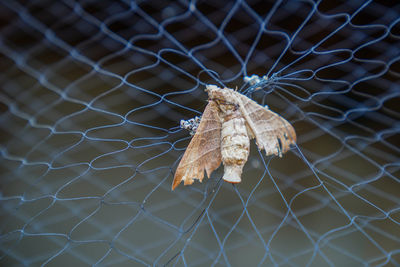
[235,147]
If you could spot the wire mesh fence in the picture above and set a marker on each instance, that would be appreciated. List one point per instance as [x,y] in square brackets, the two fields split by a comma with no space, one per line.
[92,94]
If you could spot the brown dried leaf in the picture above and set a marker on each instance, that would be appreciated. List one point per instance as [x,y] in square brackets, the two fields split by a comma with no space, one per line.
[204,150]
[273,133]
[229,121]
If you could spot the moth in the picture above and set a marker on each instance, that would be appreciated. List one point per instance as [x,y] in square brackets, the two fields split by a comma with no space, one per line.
[230,120]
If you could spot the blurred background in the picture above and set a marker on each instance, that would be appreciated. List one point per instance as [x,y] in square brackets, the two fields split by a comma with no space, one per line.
[91,98]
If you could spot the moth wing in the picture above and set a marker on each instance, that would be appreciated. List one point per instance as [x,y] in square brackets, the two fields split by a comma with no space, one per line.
[204,150]
[272,132]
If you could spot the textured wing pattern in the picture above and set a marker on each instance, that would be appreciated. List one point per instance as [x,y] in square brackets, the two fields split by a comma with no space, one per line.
[204,150]
[273,133]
